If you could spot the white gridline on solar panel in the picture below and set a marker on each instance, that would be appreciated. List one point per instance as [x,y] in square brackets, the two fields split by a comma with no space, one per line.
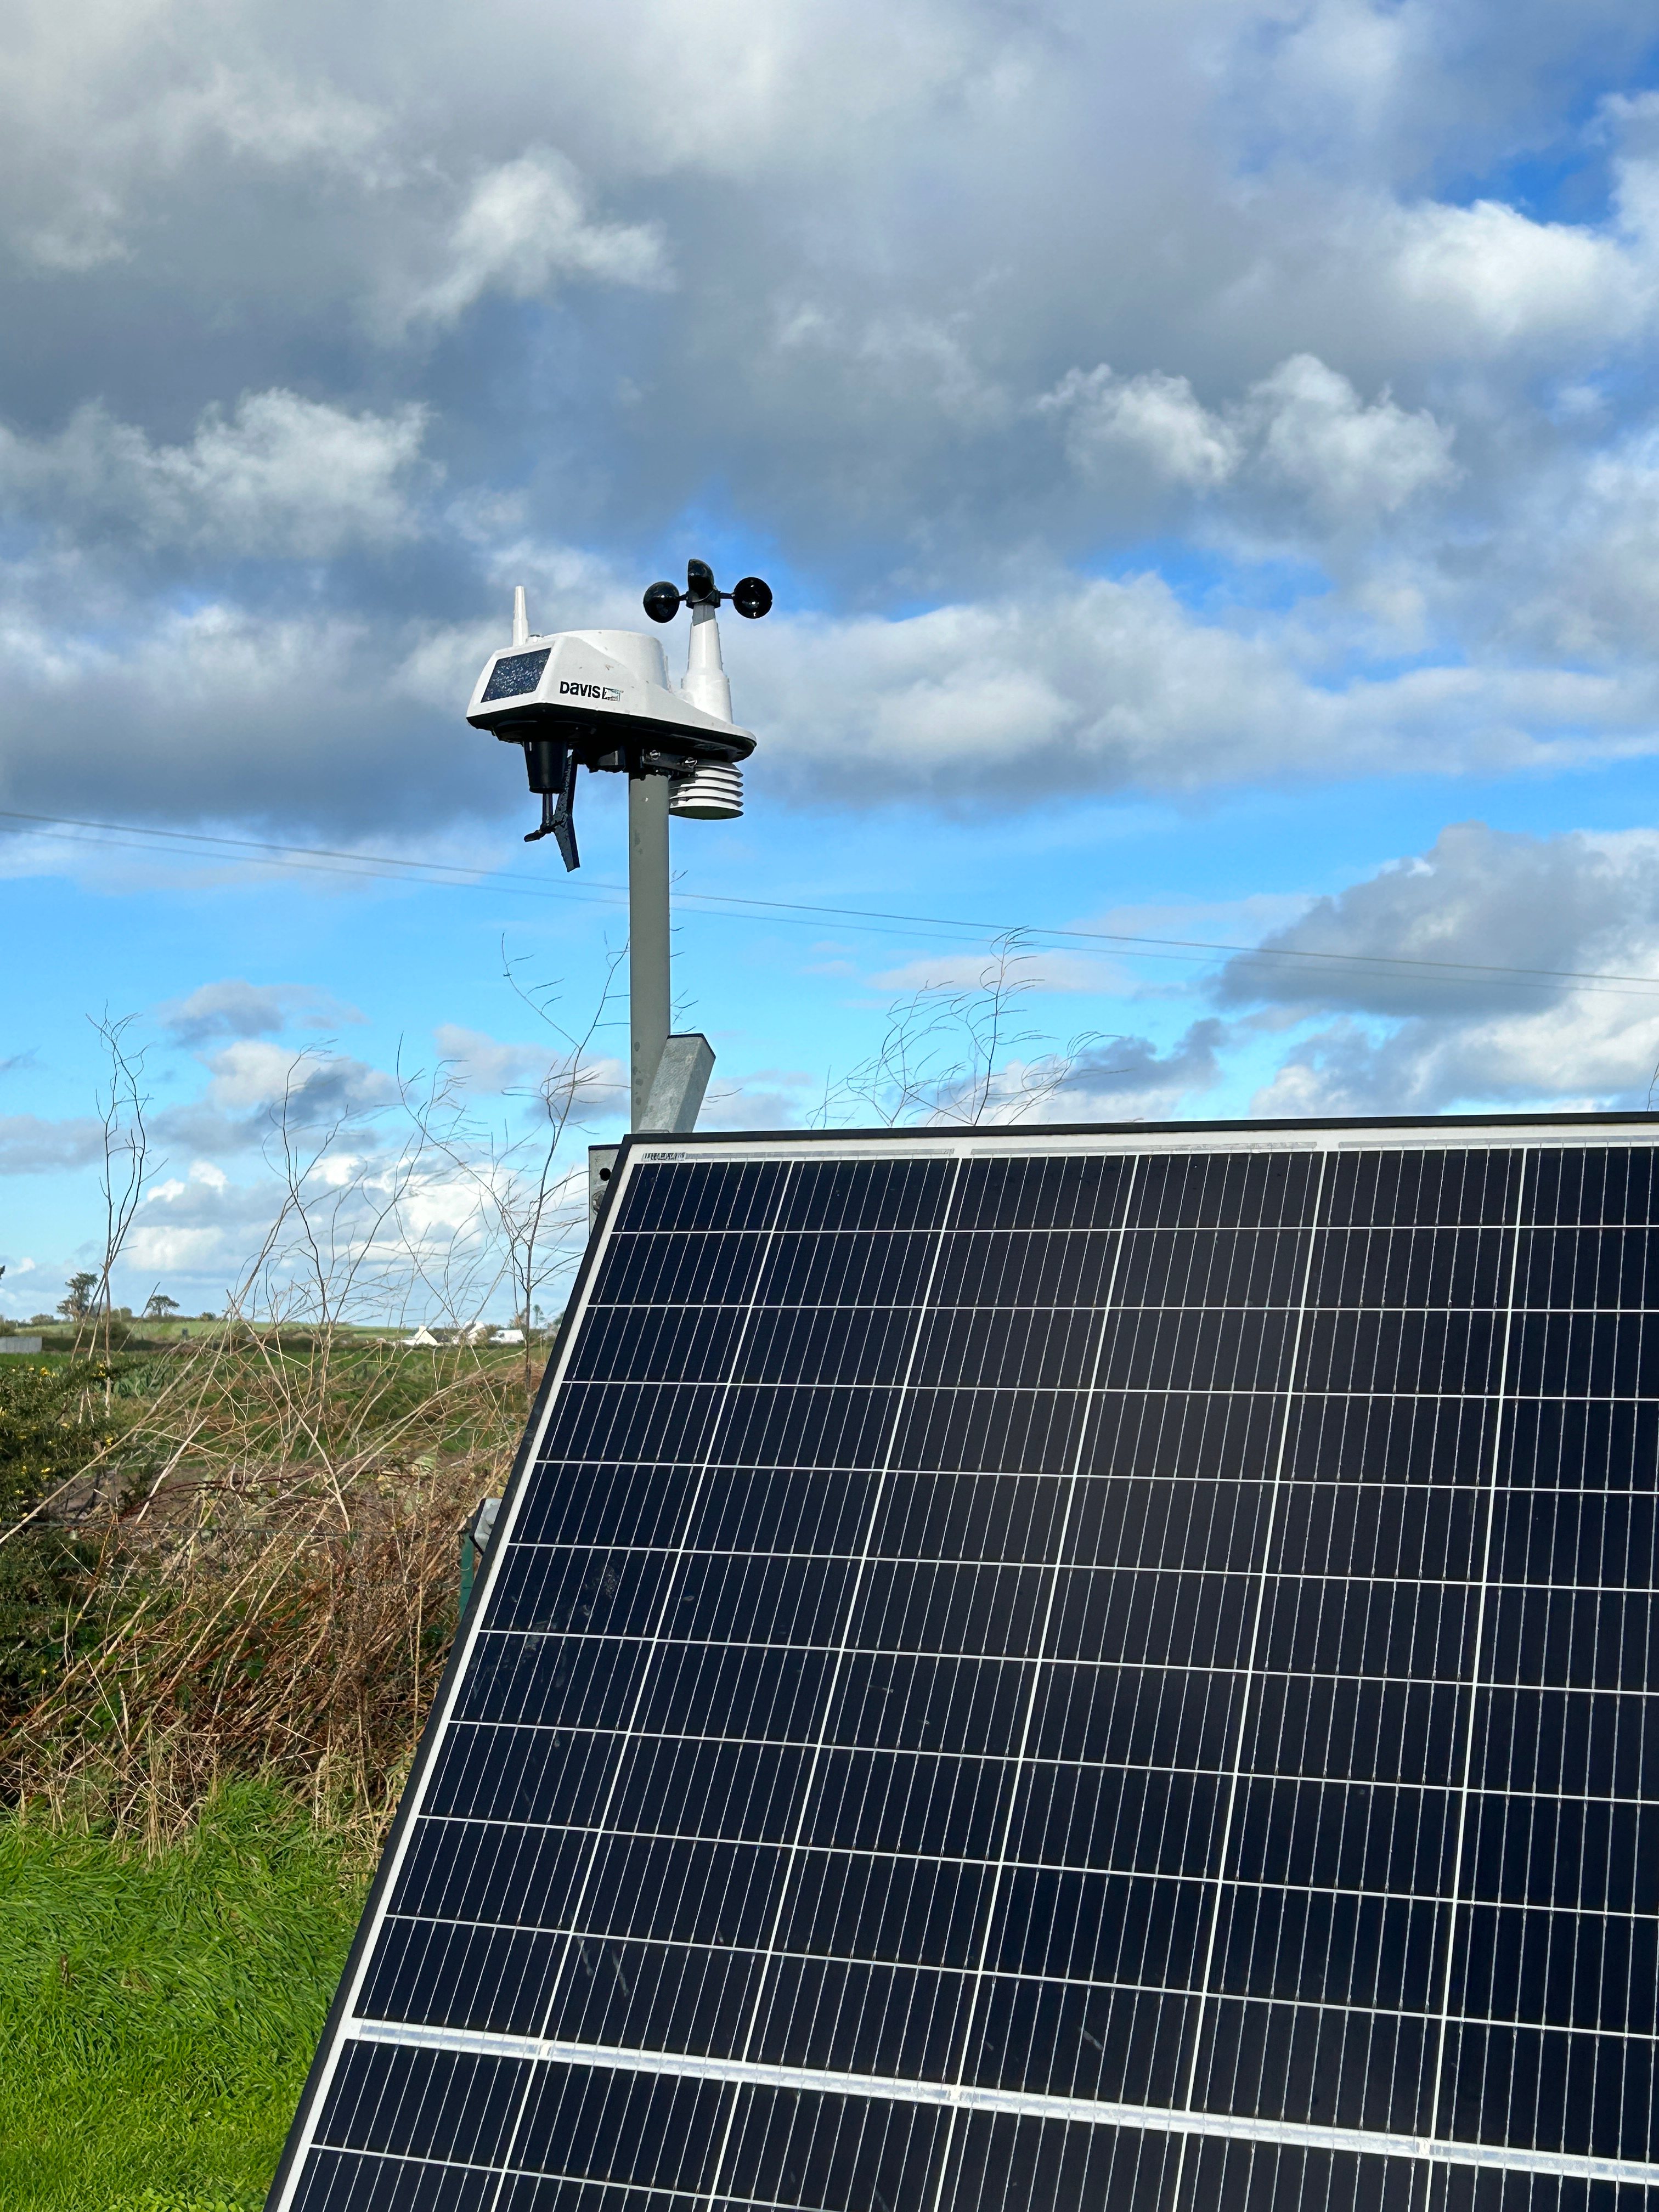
[1101,1393]
[1094,2112]
[1179,1667]
[1149,1569]
[1476,1487]
[669,2193]
[1251,1774]
[917,1857]
[1055,1309]
[1058,1978]
[1580,1914]
[1298,1396]
[978,1562]
[639,2192]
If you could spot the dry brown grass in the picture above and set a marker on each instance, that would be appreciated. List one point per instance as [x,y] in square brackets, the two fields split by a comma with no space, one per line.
[276,1538]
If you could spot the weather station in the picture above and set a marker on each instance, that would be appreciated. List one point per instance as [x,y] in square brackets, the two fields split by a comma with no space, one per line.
[603,700]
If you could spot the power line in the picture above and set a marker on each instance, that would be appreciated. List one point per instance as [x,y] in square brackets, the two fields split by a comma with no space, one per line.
[876,920]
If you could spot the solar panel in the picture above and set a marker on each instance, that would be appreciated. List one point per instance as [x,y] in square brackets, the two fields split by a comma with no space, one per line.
[1086,1669]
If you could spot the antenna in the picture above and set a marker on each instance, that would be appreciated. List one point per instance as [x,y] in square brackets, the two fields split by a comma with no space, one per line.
[602,700]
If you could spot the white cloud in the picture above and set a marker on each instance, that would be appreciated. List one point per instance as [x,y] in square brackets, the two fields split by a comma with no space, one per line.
[1112,685]
[1038,968]
[254,1076]
[1480,902]
[1154,418]
[484,1064]
[1303,429]
[1492,277]
[1351,461]
[526,225]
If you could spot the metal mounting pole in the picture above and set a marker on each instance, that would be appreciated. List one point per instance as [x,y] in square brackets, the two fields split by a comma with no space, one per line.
[648,936]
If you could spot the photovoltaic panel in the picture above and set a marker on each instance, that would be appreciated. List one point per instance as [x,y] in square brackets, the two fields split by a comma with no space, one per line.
[1104,1669]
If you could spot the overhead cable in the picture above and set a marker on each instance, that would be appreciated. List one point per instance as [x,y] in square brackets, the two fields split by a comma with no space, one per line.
[876,920]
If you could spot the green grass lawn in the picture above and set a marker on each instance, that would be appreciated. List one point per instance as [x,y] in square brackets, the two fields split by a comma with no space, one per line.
[157,2013]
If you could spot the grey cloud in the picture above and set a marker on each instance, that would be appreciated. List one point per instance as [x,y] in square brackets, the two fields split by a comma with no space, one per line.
[1444,1034]
[1131,1077]
[1479,899]
[31,1146]
[831,271]
[259,1087]
[215,713]
[332,722]
[235,1008]
[278,476]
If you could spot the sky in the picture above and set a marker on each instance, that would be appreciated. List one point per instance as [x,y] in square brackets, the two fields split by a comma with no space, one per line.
[1205,454]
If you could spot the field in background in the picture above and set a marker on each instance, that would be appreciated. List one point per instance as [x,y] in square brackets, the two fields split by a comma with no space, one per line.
[228,1587]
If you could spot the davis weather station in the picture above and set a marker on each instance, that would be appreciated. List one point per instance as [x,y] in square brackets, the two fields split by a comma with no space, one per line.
[603,700]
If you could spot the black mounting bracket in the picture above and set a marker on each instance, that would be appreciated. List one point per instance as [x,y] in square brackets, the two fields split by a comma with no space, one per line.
[551,766]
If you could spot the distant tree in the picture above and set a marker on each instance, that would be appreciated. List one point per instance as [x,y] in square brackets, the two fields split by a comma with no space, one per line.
[161,1307]
[81,1288]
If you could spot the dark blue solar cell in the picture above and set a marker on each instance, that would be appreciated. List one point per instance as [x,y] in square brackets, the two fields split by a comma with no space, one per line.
[348,2181]
[1373,1953]
[1356,1836]
[1318,2065]
[440,1974]
[1066,2040]
[617,1993]
[423,2102]
[1589,1185]
[657,2130]
[851,2017]
[832,2151]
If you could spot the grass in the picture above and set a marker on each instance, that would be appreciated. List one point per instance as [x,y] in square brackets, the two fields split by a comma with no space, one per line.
[158,2009]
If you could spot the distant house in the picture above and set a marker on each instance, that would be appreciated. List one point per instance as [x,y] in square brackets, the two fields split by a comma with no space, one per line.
[422,1336]
[506,1336]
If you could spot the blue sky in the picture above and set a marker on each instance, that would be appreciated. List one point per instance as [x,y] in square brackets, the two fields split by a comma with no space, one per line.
[1206,458]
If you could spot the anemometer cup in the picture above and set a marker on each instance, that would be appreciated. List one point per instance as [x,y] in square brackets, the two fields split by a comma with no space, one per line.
[751,596]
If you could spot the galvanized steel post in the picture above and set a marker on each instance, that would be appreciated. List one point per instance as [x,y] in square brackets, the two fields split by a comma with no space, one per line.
[648,936]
